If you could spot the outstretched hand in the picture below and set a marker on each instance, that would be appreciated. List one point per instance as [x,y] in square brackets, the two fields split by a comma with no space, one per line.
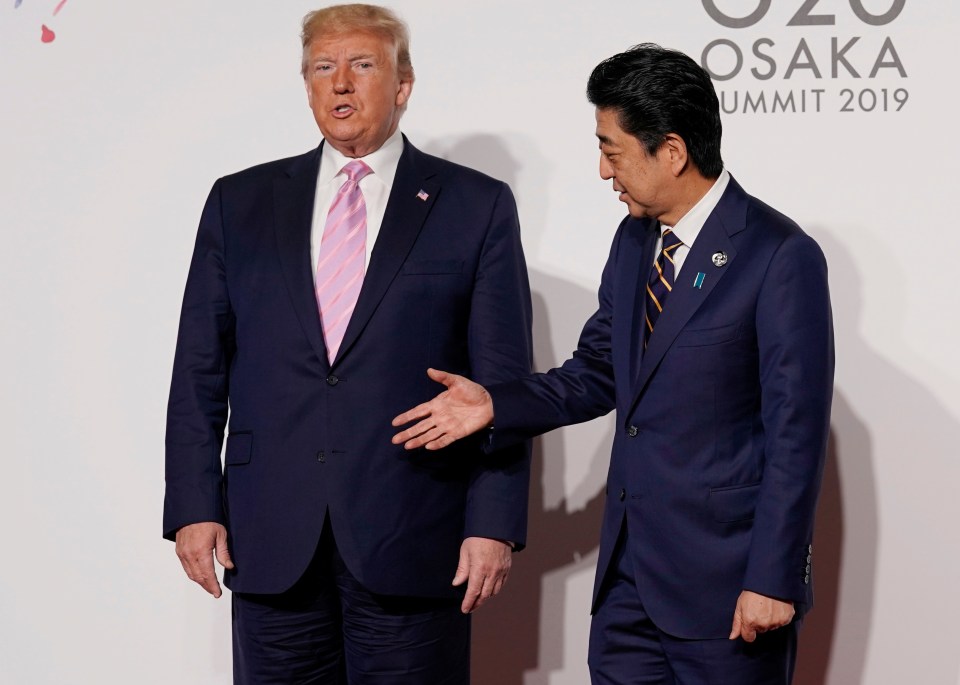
[461,410]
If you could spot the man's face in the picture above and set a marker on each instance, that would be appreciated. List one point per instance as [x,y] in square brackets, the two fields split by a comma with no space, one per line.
[355,91]
[643,180]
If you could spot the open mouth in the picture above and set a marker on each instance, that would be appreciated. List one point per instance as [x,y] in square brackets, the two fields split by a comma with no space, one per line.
[342,110]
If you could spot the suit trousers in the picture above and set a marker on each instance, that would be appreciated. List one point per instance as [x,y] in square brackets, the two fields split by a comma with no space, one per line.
[627,648]
[329,630]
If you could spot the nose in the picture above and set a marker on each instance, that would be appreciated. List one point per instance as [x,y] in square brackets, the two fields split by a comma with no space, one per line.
[606,169]
[342,82]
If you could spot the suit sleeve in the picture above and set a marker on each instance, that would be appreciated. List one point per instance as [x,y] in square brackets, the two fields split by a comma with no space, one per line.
[500,348]
[796,363]
[197,408]
[579,390]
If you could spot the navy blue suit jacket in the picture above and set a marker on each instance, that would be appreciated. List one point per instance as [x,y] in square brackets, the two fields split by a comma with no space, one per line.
[446,287]
[722,421]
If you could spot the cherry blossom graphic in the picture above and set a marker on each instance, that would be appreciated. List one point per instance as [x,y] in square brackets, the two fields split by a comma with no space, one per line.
[47,34]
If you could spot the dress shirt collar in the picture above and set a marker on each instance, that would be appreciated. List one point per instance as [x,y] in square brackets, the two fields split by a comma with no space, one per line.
[690,224]
[383,161]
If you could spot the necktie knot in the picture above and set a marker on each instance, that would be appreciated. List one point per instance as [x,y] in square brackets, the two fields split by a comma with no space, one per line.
[670,241]
[356,170]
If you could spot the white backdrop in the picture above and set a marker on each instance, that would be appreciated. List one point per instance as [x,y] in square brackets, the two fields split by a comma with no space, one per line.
[113,130]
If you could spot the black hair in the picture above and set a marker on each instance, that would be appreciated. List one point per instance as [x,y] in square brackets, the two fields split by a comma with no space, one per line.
[656,91]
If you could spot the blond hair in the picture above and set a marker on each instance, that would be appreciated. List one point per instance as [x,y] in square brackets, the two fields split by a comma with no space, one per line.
[340,19]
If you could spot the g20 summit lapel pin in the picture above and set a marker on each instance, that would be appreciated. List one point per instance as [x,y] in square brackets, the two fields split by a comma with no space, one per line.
[719,259]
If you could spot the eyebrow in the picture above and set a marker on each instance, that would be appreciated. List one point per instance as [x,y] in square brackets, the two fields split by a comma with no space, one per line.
[350,58]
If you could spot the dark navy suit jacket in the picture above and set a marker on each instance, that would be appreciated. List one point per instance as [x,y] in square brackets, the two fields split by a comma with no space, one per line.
[446,287]
[722,421]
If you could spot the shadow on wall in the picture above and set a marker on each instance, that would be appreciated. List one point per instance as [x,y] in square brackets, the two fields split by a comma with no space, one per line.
[835,636]
[846,624]
[845,547]
[519,636]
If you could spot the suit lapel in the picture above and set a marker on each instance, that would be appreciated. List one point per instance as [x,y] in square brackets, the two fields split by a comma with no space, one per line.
[727,218]
[635,290]
[293,197]
[403,218]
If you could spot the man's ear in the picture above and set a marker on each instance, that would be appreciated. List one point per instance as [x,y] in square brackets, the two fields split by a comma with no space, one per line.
[675,150]
[403,92]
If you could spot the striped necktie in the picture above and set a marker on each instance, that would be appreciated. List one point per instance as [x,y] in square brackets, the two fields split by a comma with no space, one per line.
[660,282]
[342,257]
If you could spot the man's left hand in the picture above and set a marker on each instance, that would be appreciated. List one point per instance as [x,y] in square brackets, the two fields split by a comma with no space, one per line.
[759,614]
[484,566]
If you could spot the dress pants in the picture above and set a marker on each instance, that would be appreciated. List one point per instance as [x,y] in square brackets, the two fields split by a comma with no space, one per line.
[627,648]
[329,630]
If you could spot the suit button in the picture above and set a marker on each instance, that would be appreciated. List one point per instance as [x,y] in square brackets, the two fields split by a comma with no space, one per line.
[809,549]
[332,380]
[809,558]
[632,431]
[806,579]
[321,457]
[807,570]
[623,494]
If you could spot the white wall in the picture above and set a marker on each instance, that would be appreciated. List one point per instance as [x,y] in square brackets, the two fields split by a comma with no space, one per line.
[111,135]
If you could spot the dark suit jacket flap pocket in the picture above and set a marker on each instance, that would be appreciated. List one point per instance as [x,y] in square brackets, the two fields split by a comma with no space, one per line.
[734,503]
[432,266]
[708,336]
[239,448]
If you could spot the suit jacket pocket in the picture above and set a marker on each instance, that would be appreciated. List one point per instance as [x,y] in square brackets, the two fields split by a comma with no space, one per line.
[239,449]
[708,336]
[432,266]
[734,503]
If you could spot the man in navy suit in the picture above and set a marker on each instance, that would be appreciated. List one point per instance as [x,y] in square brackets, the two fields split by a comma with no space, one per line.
[713,341]
[350,560]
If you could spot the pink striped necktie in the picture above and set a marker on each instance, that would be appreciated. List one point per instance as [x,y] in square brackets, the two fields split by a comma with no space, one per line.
[340,264]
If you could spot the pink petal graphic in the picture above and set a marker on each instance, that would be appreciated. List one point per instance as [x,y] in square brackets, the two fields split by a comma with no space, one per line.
[47,35]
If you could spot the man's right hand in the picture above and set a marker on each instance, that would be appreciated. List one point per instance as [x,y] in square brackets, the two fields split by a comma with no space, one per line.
[461,410]
[196,545]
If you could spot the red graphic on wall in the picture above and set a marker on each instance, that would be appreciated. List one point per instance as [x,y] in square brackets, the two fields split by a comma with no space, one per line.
[47,35]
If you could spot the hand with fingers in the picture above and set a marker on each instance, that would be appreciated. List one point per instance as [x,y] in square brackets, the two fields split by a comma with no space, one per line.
[197,544]
[484,567]
[756,614]
[461,410]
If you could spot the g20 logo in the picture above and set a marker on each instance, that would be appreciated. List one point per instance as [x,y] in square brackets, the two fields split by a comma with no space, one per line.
[811,54]
[804,15]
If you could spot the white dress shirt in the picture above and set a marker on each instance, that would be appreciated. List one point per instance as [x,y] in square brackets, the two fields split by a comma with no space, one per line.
[690,224]
[375,188]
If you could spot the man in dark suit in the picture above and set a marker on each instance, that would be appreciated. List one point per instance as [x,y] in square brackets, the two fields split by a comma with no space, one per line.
[320,288]
[713,341]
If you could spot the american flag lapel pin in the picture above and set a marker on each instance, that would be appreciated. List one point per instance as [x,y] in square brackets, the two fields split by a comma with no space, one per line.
[423,195]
